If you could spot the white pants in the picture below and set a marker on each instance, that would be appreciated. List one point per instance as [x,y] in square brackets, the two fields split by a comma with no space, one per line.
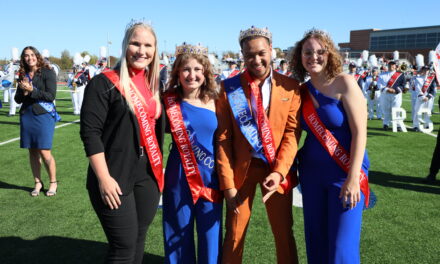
[6,95]
[388,101]
[422,105]
[374,103]
[413,105]
[77,98]
[12,104]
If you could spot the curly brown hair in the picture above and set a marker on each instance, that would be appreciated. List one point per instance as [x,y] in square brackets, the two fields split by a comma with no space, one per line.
[208,90]
[334,62]
[24,68]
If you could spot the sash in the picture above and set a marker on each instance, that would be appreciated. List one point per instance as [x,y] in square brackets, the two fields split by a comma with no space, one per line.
[48,106]
[364,74]
[148,136]
[233,73]
[254,132]
[393,79]
[428,82]
[356,77]
[192,154]
[331,144]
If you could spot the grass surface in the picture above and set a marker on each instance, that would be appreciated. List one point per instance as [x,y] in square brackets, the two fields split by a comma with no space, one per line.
[404,226]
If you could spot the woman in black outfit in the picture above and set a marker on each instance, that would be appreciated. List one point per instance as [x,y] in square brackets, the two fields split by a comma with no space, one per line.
[125,178]
[36,92]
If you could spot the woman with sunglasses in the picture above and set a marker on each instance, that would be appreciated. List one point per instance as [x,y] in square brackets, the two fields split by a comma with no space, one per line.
[333,163]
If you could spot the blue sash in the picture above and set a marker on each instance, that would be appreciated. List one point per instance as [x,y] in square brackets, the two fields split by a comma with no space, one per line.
[48,106]
[205,159]
[243,115]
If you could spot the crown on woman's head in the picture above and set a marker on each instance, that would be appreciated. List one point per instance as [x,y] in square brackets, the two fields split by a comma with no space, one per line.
[253,31]
[135,22]
[191,49]
[315,31]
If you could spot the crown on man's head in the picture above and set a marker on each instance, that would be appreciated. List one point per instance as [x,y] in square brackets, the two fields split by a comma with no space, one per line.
[253,31]
[191,49]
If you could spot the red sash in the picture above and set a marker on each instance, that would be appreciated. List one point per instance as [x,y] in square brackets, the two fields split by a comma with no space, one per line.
[265,132]
[393,79]
[364,74]
[233,73]
[330,143]
[356,77]
[189,162]
[147,133]
[428,82]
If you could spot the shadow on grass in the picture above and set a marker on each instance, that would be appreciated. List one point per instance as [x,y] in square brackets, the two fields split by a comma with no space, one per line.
[10,123]
[402,182]
[52,249]
[5,185]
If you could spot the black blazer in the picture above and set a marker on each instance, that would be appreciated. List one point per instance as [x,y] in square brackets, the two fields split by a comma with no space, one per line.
[45,83]
[107,125]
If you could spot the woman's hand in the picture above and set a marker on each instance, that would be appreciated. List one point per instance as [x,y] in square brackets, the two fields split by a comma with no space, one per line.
[26,86]
[233,200]
[350,192]
[110,191]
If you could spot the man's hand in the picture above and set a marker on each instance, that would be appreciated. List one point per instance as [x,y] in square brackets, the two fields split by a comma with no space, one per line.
[271,184]
[233,200]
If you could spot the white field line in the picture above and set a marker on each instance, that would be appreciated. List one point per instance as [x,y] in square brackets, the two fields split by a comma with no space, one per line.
[18,138]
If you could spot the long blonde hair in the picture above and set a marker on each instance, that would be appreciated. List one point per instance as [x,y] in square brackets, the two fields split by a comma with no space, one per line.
[152,72]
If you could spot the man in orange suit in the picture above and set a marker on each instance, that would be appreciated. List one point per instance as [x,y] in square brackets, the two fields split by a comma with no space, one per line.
[258,130]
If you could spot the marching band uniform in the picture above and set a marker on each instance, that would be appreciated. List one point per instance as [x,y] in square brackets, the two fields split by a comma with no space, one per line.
[389,100]
[373,96]
[424,89]
[12,89]
[79,83]
[229,73]
[414,94]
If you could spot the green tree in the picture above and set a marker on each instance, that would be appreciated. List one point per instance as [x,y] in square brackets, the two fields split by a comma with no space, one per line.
[66,61]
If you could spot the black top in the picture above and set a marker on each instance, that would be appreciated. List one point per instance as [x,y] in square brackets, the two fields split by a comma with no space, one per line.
[107,125]
[45,89]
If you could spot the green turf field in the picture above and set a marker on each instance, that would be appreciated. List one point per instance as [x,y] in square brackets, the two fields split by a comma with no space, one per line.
[404,227]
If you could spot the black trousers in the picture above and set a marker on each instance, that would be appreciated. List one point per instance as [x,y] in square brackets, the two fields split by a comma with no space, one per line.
[126,227]
[435,161]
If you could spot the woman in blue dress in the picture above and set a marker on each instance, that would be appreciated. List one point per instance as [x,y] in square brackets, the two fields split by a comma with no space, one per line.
[36,92]
[332,198]
[191,192]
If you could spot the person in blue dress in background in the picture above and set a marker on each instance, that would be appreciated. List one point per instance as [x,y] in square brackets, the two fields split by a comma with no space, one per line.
[36,92]
[333,199]
[191,193]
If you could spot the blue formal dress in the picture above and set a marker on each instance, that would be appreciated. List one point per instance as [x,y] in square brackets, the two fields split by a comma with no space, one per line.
[36,131]
[179,212]
[332,233]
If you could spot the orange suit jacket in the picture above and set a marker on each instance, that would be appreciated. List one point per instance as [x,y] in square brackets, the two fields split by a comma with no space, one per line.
[234,153]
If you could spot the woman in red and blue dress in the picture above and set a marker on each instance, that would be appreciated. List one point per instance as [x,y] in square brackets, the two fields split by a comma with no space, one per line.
[332,198]
[192,198]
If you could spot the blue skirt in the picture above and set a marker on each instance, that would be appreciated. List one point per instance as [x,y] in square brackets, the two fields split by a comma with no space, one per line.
[36,131]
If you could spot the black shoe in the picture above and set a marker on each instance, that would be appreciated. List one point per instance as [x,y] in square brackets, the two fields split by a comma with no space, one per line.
[429,179]
[416,129]
[399,129]
[385,127]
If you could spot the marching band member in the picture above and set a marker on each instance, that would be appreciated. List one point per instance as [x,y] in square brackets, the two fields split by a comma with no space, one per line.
[284,68]
[424,86]
[191,193]
[391,85]
[231,72]
[258,113]
[373,94]
[412,84]
[79,82]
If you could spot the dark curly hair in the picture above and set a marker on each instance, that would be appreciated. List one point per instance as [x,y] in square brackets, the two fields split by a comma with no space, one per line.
[207,91]
[24,68]
[334,62]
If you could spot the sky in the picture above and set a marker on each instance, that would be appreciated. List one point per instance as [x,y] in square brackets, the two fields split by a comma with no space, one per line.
[81,25]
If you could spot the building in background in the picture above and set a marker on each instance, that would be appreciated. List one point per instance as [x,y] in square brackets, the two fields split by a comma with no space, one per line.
[408,41]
